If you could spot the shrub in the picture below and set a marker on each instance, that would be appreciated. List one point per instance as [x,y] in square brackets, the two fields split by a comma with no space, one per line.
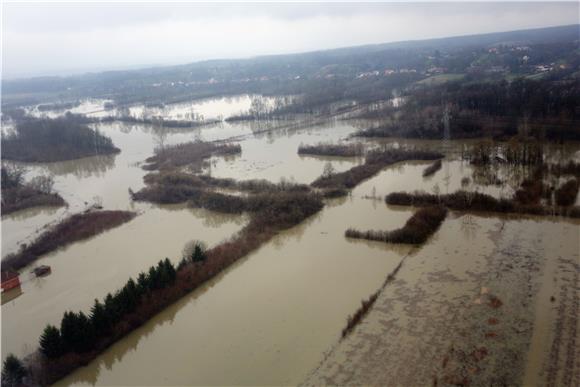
[416,230]
[431,169]
[321,149]
[359,314]
[567,192]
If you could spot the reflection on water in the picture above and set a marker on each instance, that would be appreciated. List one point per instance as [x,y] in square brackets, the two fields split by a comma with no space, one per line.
[274,155]
[269,318]
[89,269]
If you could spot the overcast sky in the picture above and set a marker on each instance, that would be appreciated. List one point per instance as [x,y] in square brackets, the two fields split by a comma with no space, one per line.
[60,38]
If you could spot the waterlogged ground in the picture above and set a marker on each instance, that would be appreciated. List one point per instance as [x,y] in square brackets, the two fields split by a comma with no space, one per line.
[269,318]
[476,311]
[90,269]
[275,317]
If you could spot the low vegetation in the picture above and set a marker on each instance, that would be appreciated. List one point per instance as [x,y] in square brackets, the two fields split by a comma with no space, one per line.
[47,140]
[179,187]
[432,169]
[74,228]
[191,154]
[321,149]
[476,201]
[374,162]
[18,194]
[417,230]
[357,317]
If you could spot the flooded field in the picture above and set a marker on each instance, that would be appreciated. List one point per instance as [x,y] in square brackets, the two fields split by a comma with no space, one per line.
[275,312]
[441,316]
[274,316]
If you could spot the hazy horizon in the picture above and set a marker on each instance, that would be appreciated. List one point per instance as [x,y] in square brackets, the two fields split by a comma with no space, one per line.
[43,39]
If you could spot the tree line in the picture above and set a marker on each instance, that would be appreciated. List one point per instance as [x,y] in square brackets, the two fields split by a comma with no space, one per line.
[79,333]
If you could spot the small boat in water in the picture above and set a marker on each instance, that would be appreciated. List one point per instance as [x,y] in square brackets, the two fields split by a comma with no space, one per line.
[42,270]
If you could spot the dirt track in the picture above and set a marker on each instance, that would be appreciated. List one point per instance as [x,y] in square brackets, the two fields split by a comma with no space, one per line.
[486,302]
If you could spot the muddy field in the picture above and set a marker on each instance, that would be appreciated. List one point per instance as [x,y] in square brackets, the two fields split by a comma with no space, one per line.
[499,306]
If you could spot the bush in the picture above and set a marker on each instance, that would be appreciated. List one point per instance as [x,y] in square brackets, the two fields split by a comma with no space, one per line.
[416,230]
[431,169]
[321,149]
[567,192]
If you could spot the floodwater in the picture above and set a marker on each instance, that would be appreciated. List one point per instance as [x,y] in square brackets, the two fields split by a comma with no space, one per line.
[269,318]
[199,109]
[274,155]
[272,317]
[89,269]
[428,323]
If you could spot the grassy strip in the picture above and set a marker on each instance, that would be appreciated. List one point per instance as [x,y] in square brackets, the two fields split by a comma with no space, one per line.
[374,162]
[284,211]
[431,169]
[567,192]
[19,198]
[350,150]
[190,154]
[357,317]
[475,201]
[417,229]
[74,228]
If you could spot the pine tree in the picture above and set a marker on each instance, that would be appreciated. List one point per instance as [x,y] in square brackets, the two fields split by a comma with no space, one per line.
[68,330]
[51,342]
[198,253]
[112,309]
[142,283]
[85,335]
[12,371]
[100,319]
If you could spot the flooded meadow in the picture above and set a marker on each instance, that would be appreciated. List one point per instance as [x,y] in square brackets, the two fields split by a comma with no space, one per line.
[275,316]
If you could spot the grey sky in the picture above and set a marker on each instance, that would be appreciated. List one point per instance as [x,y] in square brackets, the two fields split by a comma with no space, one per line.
[57,38]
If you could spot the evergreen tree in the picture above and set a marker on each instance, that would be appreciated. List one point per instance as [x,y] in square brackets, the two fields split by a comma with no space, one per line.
[153,278]
[51,342]
[198,253]
[112,309]
[85,338]
[142,283]
[69,330]
[12,371]
[100,319]
[170,269]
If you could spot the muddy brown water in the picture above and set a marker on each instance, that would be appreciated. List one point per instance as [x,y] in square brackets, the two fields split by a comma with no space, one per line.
[271,317]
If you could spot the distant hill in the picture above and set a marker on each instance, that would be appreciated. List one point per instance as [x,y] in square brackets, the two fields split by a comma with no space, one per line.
[273,74]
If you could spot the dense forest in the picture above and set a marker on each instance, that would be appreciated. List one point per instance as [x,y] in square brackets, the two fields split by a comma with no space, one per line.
[46,140]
